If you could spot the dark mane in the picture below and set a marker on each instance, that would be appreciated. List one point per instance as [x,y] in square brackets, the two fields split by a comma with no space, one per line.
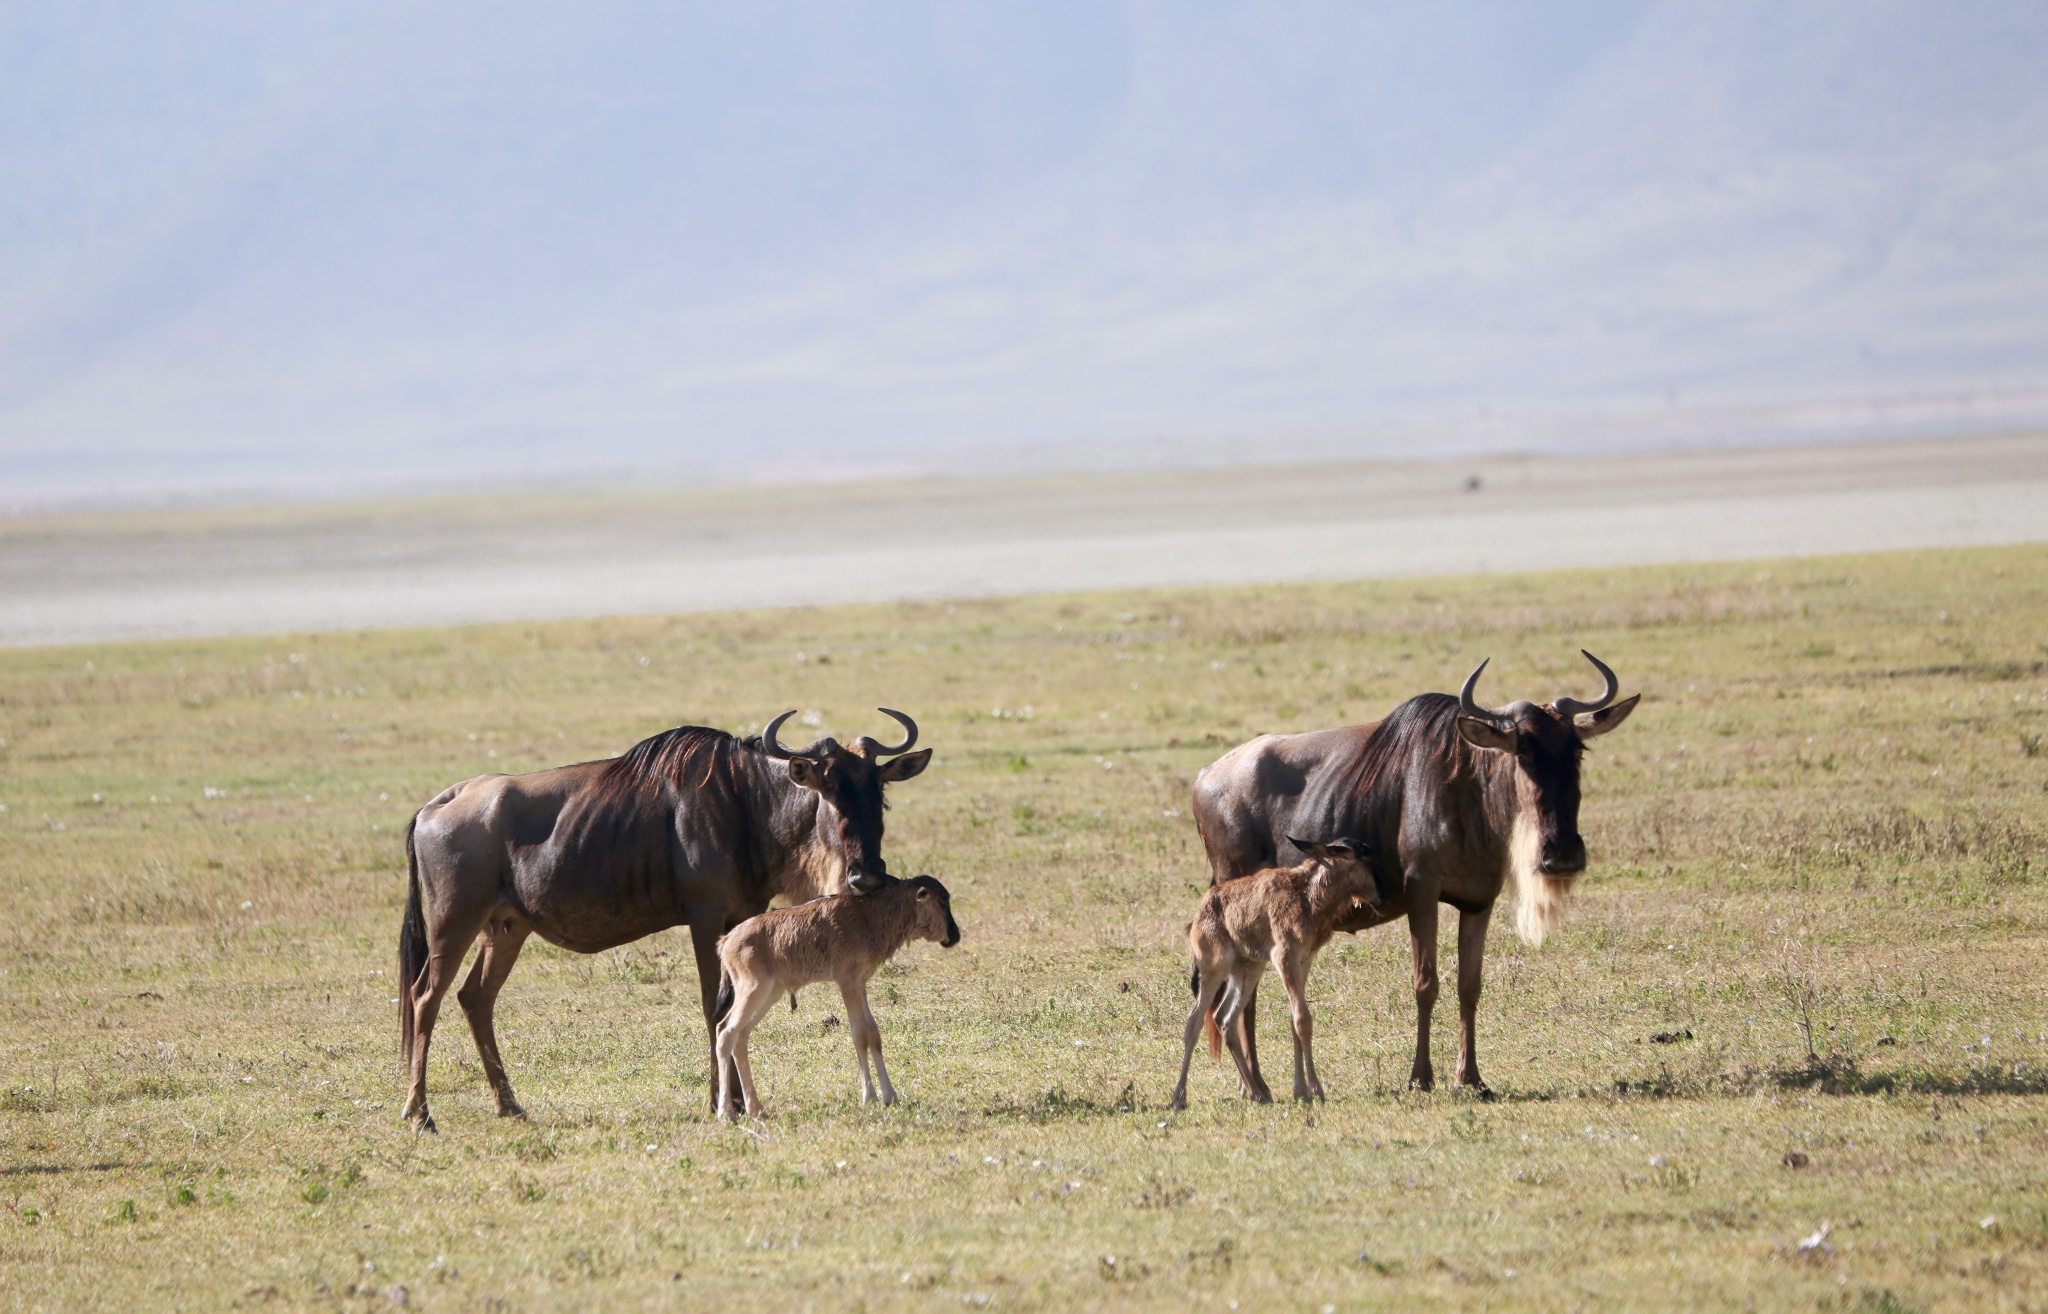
[1365,796]
[1425,723]
[687,754]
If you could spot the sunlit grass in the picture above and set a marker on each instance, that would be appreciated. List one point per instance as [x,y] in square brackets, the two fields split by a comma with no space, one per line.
[1819,878]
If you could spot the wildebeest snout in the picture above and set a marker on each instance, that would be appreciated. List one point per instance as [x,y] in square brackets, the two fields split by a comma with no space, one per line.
[1564,856]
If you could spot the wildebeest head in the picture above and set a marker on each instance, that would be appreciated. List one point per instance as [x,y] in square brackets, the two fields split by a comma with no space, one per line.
[934,912]
[1348,862]
[1546,742]
[850,780]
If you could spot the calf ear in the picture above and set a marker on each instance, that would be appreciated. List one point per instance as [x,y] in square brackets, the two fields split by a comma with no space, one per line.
[1485,734]
[805,772]
[903,768]
[1593,724]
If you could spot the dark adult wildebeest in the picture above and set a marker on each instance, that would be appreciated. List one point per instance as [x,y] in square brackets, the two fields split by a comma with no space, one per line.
[692,827]
[1455,800]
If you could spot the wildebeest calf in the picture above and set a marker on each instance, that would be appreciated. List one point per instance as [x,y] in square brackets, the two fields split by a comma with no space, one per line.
[844,938]
[1282,915]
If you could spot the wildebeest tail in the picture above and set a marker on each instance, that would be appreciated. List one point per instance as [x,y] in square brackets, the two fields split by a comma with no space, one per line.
[723,1004]
[1209,1027]
[412,944]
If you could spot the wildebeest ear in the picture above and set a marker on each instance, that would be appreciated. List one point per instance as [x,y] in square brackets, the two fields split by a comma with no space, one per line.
[924,894]
[1599,723]
[805,772]
[1312,850]
[903,768]
[1485,734]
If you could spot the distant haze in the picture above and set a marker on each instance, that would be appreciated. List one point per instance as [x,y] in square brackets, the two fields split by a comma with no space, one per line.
[326,245]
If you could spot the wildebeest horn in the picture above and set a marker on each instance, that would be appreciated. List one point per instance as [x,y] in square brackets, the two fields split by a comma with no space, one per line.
[769,745]
[1570,707]
[1471,708]
[908,724]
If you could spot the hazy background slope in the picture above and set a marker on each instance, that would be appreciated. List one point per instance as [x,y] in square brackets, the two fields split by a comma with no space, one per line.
[271,246]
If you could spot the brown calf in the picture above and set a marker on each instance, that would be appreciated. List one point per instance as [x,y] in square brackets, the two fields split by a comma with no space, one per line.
[845,939]
[1282,915]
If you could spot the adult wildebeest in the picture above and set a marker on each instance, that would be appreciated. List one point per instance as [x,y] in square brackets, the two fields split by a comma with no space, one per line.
[692,827]
[1454,798]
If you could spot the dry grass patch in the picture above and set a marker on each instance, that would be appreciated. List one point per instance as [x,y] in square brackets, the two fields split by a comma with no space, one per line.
[1799,999]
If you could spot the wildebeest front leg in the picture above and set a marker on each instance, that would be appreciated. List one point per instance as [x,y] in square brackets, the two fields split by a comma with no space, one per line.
[502,938]
[1471,964]
[1422,937]
[1294,975]
[705,928]
[867,1042]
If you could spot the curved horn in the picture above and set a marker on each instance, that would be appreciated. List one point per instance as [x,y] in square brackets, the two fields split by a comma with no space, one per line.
[909,725]
[1465,702]
[769,743]
[1571,707]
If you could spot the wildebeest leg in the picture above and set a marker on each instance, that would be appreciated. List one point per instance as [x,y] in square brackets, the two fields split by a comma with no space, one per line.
[705,928]
[502,938]
[867,1040]
[1205,998]
[1243,985]
[1422,937]
[1471,962]
[447,945]
[1246,1041]
[1294,975]
[729,1046]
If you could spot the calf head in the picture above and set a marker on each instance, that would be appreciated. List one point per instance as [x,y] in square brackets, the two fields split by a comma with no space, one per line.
[1347,863]
[850,780]
[934,912]
[1546,743]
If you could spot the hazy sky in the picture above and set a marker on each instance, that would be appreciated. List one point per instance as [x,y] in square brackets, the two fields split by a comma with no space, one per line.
[252,243]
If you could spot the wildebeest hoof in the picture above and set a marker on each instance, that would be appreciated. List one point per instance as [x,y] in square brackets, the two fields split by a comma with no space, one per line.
[1423,1081]
[511,1109]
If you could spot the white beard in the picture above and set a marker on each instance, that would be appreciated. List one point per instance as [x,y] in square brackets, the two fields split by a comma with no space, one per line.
[1539,899]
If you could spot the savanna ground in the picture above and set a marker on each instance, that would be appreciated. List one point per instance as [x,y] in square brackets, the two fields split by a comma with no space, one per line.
[1800,995]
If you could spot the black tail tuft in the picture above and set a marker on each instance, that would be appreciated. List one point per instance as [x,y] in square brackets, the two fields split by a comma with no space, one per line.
[412,944]
[1195,980]
[723,1005]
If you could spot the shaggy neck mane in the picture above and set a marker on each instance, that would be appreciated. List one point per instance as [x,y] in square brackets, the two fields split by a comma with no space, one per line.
[688,754]
[1426,723]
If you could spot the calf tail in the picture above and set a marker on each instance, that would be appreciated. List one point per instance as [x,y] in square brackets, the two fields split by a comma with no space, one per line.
[1208,1014]
[723,1005]
[412,944]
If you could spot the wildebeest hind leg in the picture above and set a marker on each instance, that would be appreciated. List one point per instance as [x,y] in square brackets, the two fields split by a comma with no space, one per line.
[503,936]
[447,945]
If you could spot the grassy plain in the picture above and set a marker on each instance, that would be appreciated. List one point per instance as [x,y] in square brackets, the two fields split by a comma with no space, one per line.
[1818,860]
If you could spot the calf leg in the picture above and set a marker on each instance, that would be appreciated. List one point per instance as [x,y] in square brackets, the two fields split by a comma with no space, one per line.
[503,936]
[1294,975]
[867,1040]
[1243,985]
[1471,965]
[1422,937]
[750,1003]
[705,927]
[1210,986]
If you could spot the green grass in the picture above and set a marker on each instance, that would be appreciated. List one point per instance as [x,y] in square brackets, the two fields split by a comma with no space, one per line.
[1817,850]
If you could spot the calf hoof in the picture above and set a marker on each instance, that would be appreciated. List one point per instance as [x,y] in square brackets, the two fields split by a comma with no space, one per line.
[423,1124]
